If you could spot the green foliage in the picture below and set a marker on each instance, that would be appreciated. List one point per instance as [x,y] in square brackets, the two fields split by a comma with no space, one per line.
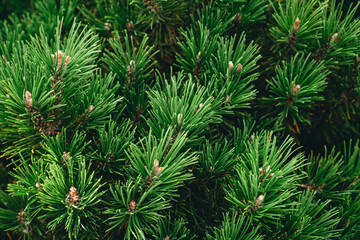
[158,119]
[297,22]
[264,180]
[296,88]
[75,209]
[235,226]
[44,89]
[310,220]
[189,110]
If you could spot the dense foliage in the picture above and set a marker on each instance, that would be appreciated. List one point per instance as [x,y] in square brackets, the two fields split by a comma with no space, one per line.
[158,119]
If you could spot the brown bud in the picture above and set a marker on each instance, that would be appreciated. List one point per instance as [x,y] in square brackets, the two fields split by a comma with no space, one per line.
[296,25]
[198,57]
[267,169]
[158,170]
[259,200]
[295,88]
[5,59]
[156,163]
[252,137]
[67,59]
[132,206]
[65,155]
[38,186]
[28,99]
[21,216]
[237,18]
[7,95]
[270,176]
[333,38]
[73,190]
[261,171]
[90,109]
[130,26]
[76,198]
[239,68]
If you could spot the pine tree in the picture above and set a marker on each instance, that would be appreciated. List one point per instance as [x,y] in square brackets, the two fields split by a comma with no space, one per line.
[157,119]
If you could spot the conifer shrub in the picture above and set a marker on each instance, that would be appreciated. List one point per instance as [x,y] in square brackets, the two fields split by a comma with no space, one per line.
[183,119]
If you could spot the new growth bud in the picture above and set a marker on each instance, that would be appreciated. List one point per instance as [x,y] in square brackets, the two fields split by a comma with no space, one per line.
[73,196]
[259,200]
[198,57]
[28,99]
[90,109]
[296,25]
[333,38]
[179,116]
[132,206]
[58,58]
[239,68]
[295,88]
[130,26]
[231,66]
[107,26]
[157,169]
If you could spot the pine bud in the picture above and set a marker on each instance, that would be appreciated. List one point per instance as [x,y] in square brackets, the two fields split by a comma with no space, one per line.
[259,200]
[228,99]
[132,206]
[132,67]
[73,190]
[179,116]
[334,36]
[130,26]
[270,176]
[158,170]
[198,57]
[239,68]
[252,137]
[73,196]
[237,18]
[58,58]
[156,163]
[200,106]
[67,59]
[90,109]
[7,95]
[261,171]
[267,169]
[295,88]
[21,217]
[296,25]
[231,65]
[65,155]
[38,186]
[166,238]
[107,26]
[5,59]
[28,99]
